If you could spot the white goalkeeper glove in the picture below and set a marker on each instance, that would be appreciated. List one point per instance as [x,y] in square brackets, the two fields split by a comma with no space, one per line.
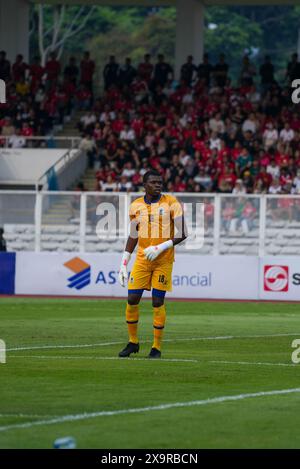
[152,252]
[123,274]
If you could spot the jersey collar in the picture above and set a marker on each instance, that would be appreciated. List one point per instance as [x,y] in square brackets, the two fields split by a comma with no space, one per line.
[154,201]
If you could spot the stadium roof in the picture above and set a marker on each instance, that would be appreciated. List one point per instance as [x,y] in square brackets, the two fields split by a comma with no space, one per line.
[166,2]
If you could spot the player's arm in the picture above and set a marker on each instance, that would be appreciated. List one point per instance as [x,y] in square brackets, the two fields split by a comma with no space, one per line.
[180,230]
[129,248]
[152,252]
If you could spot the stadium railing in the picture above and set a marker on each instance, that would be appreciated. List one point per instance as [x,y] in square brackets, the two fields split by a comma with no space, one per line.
[48,141]
[223,224]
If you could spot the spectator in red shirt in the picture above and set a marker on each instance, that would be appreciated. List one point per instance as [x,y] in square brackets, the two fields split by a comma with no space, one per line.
[145,69]
[52,70]
[264,177]
[26,130]
[36,72]
[19,69]
[87,69]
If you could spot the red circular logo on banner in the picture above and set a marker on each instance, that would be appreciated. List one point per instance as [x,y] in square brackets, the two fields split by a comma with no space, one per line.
[276,278]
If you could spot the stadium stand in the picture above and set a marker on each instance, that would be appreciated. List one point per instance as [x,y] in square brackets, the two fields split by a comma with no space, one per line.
[203,133]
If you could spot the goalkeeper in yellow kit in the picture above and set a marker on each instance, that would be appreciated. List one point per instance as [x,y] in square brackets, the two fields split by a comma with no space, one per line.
[154,218]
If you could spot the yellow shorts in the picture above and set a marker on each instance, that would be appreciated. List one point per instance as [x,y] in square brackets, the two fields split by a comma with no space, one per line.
[146,275]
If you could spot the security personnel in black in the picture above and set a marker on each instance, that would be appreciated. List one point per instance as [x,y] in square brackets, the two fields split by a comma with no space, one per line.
[187,71]
[2,241]
[162,71]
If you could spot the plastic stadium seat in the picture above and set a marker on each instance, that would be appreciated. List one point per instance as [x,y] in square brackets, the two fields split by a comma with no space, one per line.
[229,241]
[91,238]
[26,237]
[289,250]
[276,224]
[17,246]
[9,228]
[48,246]
[271,233]
[273,250]
[294,242]
[280,242]
[21,228]
[58,238]
[66,229]
[90,247]
[69,247]
[10,236]
[73,238]
[248,242]
[237,250]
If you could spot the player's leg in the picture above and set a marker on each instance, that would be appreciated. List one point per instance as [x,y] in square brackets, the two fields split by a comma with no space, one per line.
[161,283]
[139,281]
[159,320]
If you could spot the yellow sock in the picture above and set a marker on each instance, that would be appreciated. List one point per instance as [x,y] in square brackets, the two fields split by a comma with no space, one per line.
[132,319]
[159,320]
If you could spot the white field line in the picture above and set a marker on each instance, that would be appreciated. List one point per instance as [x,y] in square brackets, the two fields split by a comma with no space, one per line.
[174,405]
[84,357]
[187,339]
[20,415]
[40,347]
[252,363]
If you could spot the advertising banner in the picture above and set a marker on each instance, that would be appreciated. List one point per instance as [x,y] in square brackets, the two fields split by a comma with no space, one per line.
[228,277]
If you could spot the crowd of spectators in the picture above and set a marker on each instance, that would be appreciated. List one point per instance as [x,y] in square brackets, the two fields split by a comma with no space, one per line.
[202,133]
[40,97]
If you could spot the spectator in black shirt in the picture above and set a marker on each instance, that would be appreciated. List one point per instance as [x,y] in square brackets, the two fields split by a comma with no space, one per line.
[162,71]
[187,71]
[266,72]
[127,73]
[205,70]
[71,71]
[111,73]
[293,68]
[220,71]
[2,241]
[4,67]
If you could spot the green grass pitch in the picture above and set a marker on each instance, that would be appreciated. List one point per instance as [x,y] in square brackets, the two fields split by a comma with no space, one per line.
[211,350]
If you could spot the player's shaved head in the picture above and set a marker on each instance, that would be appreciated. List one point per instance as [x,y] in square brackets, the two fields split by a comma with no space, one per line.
[150,173]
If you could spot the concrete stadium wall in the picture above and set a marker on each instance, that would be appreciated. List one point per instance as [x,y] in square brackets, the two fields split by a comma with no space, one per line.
[197,277]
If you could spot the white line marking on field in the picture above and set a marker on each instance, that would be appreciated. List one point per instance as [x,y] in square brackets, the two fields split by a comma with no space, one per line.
[186,339]
[84,357]
[39,347]
[252,363]
[32,416]
[90,415]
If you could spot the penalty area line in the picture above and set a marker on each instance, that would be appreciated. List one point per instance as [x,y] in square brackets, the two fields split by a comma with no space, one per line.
[203,402]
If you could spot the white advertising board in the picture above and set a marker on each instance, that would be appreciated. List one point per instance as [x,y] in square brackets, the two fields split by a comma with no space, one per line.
[223,277]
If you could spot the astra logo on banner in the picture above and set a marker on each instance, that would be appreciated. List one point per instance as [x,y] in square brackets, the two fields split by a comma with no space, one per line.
[82,271]
[276,278]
